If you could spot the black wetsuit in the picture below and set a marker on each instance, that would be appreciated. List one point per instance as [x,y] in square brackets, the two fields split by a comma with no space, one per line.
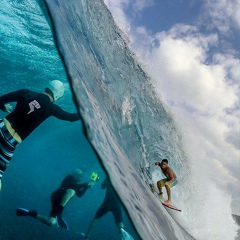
[68,182]
[31,110]
[111,203]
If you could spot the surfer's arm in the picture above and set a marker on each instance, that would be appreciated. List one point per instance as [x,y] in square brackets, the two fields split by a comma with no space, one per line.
[64,115]
[158,164]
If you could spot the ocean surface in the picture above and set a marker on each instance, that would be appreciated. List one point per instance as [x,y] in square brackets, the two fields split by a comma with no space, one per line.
[128,129]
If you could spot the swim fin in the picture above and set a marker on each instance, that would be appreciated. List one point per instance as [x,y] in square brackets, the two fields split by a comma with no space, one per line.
[25,212]
[126,235]
[84,235]
[61,222]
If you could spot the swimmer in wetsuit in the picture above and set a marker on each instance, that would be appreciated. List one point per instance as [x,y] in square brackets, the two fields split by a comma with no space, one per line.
[112,204]
[70,186]
[31,110]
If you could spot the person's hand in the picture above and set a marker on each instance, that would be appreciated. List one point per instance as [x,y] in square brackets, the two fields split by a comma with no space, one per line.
[8,108]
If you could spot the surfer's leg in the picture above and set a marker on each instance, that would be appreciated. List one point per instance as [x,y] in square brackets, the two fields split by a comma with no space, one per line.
[160,185]
[168,194]
[90,228]
[168,188]
[103,209]
[49,221]
[67,197]
[160,189]
[117,214]
[59,200]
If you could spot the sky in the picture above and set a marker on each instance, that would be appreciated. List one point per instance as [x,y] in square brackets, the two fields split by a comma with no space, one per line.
[191,51]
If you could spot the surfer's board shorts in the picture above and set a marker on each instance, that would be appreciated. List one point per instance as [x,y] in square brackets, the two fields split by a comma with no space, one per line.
[7,147]
[163,181]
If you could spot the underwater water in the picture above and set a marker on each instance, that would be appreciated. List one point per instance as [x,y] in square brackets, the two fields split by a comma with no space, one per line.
[127,124]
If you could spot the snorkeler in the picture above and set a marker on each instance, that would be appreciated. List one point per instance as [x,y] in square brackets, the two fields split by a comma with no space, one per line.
[168,182]
[112,204]
[31,110]
[70,186]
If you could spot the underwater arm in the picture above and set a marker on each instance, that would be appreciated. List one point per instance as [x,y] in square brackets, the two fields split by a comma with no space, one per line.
[64,115]
[82,188]
[9,97]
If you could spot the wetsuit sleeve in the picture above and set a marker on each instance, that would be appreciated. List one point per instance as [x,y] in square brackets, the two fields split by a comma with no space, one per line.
[64,115]
[81,189]
[10,97]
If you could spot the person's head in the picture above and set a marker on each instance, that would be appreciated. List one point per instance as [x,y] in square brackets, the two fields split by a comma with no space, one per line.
[56,89]
[164,163]
[77,174]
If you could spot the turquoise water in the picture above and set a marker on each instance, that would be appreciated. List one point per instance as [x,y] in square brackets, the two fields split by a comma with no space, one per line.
[129,127]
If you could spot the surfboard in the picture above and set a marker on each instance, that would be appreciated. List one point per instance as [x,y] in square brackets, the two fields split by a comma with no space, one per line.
[153,190]
[171,206]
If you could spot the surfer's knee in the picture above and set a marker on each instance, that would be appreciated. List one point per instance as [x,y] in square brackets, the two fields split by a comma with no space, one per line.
[51,222]
[67,197]
[70,192]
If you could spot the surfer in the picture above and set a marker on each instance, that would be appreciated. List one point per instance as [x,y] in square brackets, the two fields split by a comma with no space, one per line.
[31,110]
[168,182]
[70,186]
[112,204]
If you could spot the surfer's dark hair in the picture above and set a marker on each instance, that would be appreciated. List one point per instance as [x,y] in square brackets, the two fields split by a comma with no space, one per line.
[165,160]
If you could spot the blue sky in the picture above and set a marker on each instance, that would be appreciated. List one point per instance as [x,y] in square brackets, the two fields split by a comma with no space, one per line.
[161,15]
[191,50]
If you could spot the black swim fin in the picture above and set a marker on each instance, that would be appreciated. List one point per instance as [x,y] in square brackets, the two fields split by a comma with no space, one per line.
[61,222]
[25,212]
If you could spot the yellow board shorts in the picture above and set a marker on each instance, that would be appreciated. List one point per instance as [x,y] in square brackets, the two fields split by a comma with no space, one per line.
[163,181]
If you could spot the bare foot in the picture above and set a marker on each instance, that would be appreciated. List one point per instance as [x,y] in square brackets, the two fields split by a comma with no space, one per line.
[160,195]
